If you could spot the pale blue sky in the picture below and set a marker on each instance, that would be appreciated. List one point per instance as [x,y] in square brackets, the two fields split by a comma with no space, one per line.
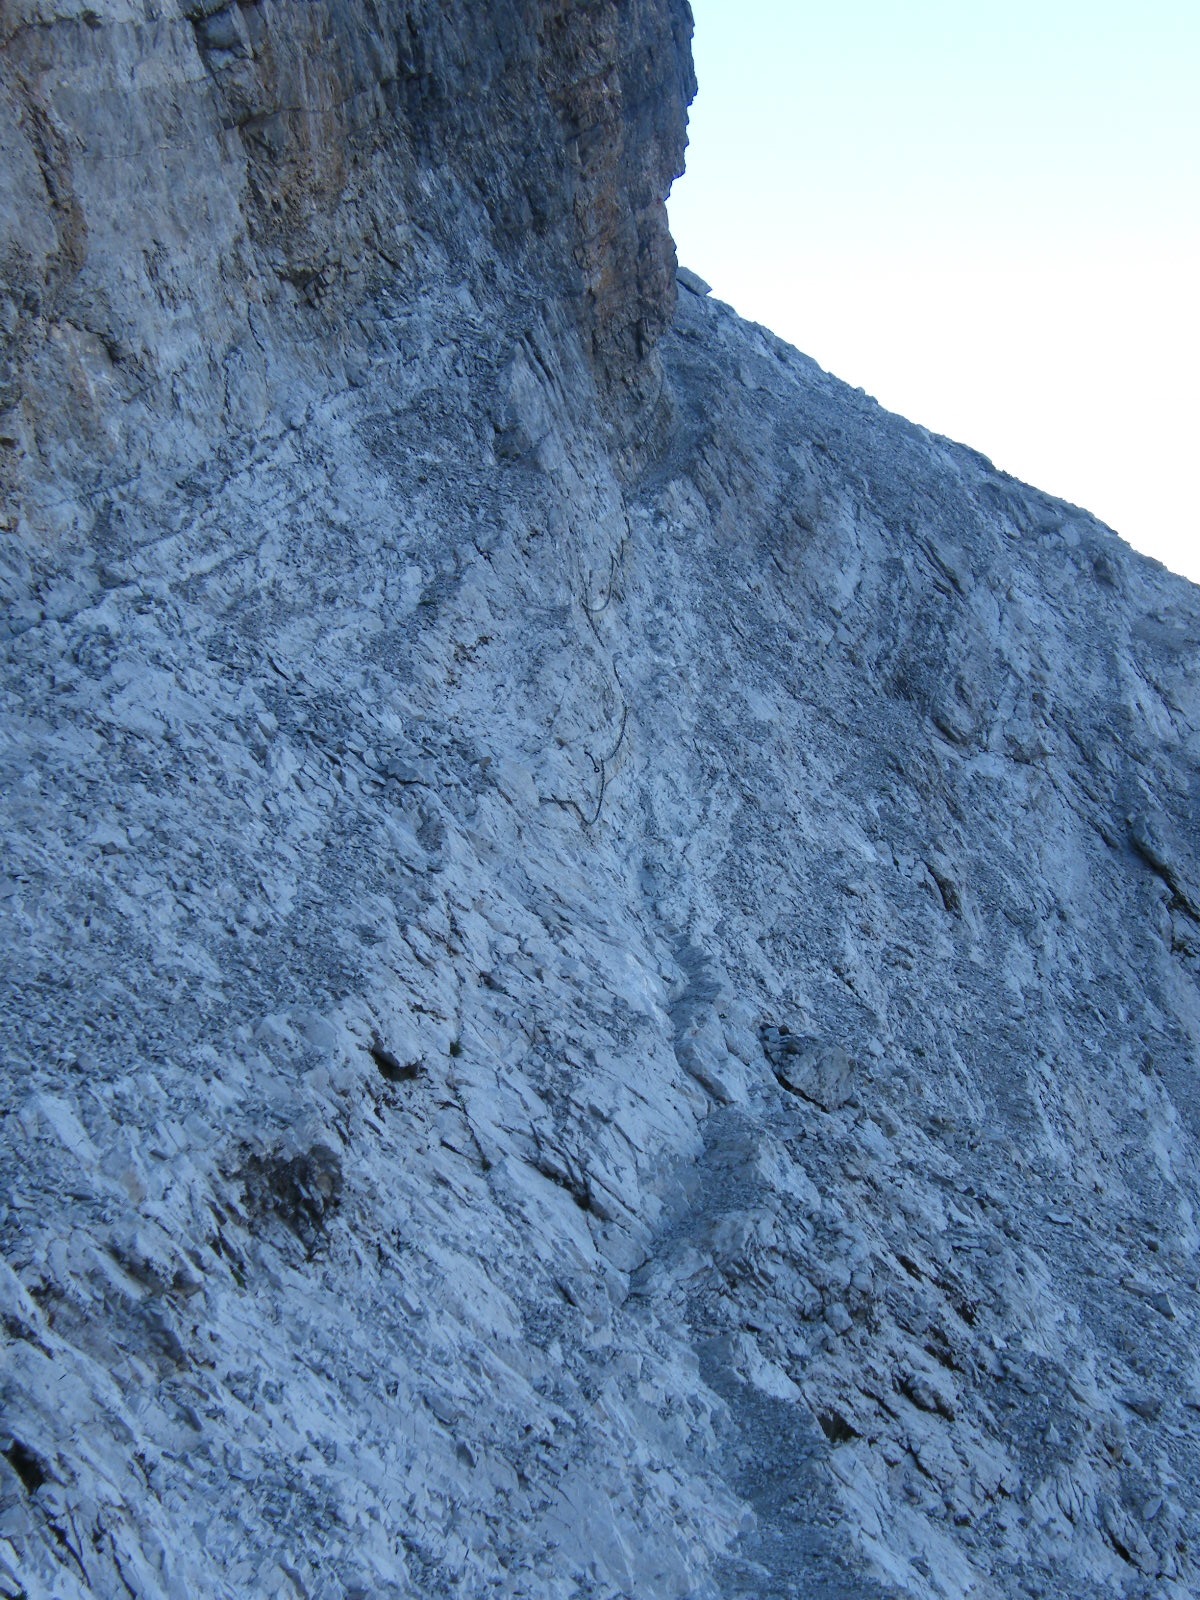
[986,215]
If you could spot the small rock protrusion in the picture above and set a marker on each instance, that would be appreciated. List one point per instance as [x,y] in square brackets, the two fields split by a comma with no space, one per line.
[1146,1406]
[838,1318]
[819,1072]
[391,1066]
[693,282]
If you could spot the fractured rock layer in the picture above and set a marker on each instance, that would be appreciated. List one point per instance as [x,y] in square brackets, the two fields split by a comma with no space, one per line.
[579,1019]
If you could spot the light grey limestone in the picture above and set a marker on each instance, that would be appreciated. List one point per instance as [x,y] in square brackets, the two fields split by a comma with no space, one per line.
[423,811]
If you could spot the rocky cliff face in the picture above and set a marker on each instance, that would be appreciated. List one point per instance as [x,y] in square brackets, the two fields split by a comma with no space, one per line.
[602,937]
[207,208]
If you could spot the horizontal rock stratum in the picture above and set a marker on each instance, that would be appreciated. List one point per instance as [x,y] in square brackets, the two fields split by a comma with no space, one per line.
[601,937]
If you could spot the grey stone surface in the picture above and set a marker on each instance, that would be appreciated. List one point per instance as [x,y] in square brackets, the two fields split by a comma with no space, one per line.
[446,737]
[693,281]
[820,1072]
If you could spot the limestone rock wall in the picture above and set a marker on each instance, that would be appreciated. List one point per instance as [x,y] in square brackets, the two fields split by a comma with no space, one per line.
[621,78]
[600,943]
[203,204]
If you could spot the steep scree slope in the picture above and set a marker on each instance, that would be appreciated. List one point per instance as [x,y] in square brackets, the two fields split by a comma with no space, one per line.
[601,938]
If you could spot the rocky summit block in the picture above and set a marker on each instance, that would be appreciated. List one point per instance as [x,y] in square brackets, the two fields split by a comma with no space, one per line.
[601,972]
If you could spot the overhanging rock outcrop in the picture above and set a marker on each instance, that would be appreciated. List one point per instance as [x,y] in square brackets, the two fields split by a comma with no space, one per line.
[600,985]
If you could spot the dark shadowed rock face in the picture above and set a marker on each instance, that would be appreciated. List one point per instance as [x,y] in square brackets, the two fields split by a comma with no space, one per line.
[621,78]
[601,941]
